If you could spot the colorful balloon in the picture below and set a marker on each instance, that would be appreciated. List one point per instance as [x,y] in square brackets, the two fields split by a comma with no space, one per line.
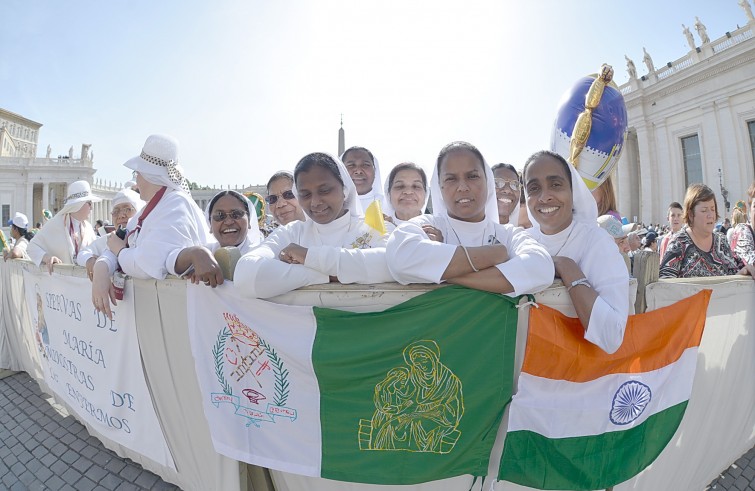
[590,126]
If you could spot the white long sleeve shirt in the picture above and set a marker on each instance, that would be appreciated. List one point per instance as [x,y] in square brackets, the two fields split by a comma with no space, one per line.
[597,256]
[345,248]
[414,258]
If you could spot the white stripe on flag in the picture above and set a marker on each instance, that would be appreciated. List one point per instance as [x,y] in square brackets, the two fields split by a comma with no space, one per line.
[586,408]
[290,444]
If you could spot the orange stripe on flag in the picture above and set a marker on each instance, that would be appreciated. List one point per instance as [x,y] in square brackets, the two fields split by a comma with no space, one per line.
[556,347]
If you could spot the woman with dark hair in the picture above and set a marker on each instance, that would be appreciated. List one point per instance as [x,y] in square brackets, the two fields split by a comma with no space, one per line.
[462,241]
[507,192]
[280,198]
[564,220]
[406,189]
[698,251]
[334,244]
[21,235]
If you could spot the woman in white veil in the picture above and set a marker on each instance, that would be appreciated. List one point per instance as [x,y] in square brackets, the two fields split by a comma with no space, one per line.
[334,244]
[405,193]
[462,241]
[564,217]
[364,171]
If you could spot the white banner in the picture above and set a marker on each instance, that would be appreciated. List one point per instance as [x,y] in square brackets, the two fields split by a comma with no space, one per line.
[94,364]
[254,367]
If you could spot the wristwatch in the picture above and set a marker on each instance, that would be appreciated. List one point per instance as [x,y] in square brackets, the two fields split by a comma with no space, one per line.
[581,281]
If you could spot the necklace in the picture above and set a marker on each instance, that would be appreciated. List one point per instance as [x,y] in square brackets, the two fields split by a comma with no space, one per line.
[565,241]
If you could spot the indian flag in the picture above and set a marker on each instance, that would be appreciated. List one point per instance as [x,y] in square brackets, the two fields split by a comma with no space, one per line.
[411,394]
[583,419]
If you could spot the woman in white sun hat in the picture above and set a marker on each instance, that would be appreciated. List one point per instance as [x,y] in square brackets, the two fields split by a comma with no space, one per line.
[168,223]
[63,237]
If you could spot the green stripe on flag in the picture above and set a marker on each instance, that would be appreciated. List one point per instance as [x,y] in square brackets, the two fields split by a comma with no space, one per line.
[414,393]
[589,462]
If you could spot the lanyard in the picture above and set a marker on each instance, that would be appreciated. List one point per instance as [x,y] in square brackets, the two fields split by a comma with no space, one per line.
[73,236]
[147,210]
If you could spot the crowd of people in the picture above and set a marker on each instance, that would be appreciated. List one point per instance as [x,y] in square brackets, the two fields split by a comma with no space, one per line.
[488,228]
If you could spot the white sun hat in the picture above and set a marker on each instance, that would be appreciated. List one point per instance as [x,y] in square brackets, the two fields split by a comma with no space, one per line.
[158,163]
[79,192]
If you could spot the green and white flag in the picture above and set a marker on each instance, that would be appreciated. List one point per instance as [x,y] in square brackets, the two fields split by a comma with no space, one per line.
[411,394]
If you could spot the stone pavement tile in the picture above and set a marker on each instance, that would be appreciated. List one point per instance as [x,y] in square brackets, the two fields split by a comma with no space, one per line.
[114,465]
[18,486]
[43,474]
[18,468]
[58,449]
[48,460]
[87,451]
[55,482]
[39,451]
[70,456]
[146,479]
[99,457]
[26,477]
[127,486]
[59,467]
[25,456]
[82,464]
[34,465]
[96,473]
[77,444]
[68,438]
[85,484]
[130,472]
[110,481]
[71,476]
[9,479]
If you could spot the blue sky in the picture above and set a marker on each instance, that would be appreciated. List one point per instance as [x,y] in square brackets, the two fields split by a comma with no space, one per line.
[249,87]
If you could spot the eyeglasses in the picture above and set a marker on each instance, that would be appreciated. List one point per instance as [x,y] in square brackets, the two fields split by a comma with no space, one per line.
[500,183]
[273,198]
[219,216]
[126,211]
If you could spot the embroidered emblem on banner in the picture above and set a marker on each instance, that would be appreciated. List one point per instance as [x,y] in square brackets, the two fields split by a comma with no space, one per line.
[418,407]
[252,376]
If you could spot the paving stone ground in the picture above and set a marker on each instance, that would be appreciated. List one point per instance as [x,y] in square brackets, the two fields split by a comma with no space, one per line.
[44,448]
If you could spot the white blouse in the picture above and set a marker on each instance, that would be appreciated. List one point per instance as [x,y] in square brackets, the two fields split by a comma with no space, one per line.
[54,238]
[596,254]
[345,248]
[414,258]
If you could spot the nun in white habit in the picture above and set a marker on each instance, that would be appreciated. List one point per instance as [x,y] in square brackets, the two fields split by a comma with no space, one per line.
[63,237]
[334,244]
[364,171]
[168,223]
[462,241]
[233,222]
[564,216]
[126,203]
[405,193]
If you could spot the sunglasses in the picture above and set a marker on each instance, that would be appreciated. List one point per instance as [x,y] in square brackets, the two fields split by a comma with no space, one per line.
[500,183]
[273,198]
[219,216]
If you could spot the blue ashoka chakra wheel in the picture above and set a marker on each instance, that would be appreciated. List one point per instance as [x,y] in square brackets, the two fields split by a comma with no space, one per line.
[629,402]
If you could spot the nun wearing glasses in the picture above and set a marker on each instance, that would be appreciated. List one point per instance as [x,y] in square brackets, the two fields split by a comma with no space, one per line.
[231,216]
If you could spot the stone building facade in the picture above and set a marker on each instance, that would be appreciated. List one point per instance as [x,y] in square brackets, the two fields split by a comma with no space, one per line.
[691,120]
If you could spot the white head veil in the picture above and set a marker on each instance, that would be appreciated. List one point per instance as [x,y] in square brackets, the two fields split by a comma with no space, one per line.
[388,206]
[351,198]
[584,207]
[376,193]
[254,236]
[439,206]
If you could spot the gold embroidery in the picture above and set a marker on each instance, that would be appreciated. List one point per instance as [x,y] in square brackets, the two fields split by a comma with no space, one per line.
[418,407]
